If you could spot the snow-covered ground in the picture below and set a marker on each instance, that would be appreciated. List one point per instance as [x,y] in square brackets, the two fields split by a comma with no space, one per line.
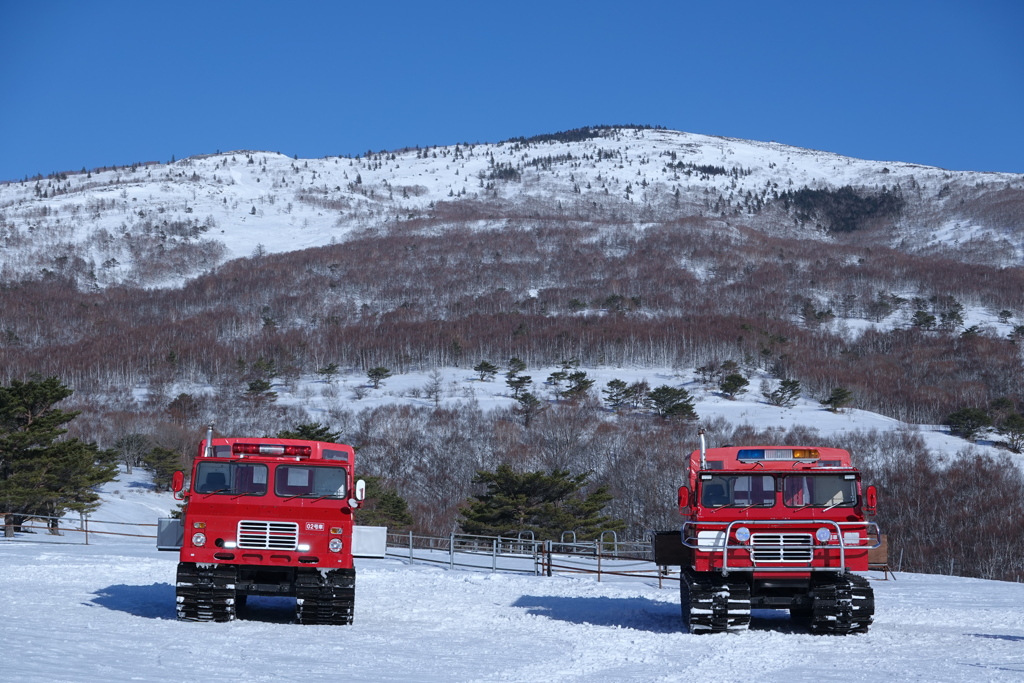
[106,612]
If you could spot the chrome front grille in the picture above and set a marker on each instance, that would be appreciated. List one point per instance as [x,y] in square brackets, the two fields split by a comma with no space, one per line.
[268,535]
[781,547]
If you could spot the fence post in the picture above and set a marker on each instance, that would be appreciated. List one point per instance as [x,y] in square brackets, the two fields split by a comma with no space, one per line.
[86,529]
[599,547]
[411,558]
[494,555]
[451,551]
[548,545]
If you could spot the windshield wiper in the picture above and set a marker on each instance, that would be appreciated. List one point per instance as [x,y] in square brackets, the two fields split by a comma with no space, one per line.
[213,492]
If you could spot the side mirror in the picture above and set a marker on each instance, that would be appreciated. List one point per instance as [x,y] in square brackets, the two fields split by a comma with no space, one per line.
[360,490]
[178,481]
[684,497]
[870,500]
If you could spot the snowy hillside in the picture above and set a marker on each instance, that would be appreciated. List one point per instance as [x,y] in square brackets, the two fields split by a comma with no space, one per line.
[158,224]
[106,612]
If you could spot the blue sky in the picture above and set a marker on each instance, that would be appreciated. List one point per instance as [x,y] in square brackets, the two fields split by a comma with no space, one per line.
[86,84]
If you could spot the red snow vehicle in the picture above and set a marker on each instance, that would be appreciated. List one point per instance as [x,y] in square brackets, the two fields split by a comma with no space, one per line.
[773,527]
[266,516]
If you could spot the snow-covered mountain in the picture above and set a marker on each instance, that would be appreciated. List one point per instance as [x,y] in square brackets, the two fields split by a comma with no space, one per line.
[157,224]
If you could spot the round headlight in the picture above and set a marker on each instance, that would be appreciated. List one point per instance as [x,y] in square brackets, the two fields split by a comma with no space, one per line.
[823,535]
[742,534]
[335,545]
[199,539]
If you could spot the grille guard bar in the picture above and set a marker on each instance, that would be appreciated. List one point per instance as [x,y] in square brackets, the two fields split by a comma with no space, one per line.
[725,547]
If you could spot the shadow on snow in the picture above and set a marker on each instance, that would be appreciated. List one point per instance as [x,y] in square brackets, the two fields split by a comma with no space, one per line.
[157,601]
[642,614]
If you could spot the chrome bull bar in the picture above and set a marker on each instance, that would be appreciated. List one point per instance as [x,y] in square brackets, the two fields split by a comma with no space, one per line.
[694,543]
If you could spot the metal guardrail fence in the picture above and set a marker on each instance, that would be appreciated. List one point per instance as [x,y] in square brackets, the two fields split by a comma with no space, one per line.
[59,527]
[526,555]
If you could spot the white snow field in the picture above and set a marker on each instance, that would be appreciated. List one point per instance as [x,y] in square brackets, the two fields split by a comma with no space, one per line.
[106,612]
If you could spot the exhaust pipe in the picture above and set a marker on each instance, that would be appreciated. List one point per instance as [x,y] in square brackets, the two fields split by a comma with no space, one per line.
[703,450]
[209,441]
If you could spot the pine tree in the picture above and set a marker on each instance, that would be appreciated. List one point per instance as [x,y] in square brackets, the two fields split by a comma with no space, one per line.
[377,375]
[486,369]
[529,406]
[163,463]
[967,422]
[838,399]
[579,385]
[329,371]
[310,431]
[383,506]
[615,394]
[733,384]
[546,504]
[669,402]
[1012,427]
[785,396]
[40,474]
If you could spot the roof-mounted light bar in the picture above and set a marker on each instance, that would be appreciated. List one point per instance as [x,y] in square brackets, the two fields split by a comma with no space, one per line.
[759,454]
[271,449]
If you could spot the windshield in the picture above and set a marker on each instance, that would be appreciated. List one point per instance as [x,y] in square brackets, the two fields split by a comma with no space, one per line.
[231,478]
[819,491]
[310,481]
[743,490]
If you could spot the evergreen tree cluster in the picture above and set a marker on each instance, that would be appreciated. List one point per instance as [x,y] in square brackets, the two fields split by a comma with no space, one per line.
[42,473]
[845,209]
[545,503]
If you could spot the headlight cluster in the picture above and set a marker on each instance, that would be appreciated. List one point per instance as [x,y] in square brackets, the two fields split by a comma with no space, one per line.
[823,534]
[199,539]
[742,534]
[335,545]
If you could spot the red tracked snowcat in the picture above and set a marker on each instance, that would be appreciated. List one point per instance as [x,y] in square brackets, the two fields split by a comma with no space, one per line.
[773,527]
[273,517]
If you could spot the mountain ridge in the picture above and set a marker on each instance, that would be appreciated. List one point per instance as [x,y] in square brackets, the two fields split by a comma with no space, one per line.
[103,228]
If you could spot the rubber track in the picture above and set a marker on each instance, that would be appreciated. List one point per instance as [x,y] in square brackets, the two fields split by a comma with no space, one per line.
[846,604]
[326,599]
[710,604]
[205,593]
